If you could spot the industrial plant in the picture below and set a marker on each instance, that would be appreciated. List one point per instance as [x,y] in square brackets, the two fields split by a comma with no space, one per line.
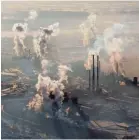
[69,70]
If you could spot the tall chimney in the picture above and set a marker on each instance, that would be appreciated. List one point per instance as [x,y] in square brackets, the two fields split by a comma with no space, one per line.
[117,69]
[93,72]
[98,70]
[89,78]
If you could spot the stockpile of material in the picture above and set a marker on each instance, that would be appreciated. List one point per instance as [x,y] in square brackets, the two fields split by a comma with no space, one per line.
[13,82]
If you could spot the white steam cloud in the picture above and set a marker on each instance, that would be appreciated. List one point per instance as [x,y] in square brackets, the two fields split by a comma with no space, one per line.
[62,72]
[45,80]
[45,84]
[41,40]
[112,42]
[31,16]
[19,31]
[88,29]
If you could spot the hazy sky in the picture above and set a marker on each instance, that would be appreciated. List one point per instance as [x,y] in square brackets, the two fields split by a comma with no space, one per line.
[11,6]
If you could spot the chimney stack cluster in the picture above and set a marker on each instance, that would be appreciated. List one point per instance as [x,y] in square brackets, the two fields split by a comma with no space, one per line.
[93,73]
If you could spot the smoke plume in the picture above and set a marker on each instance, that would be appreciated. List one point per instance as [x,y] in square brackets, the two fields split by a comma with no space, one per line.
[19,31]
[111,41]
[51,84]
[88,29]
[32,15]
[41,40]
[62,73]
[47,85]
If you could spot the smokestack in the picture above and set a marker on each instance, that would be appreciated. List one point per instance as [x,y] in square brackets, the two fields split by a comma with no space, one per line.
[89,78]
[117,69]
[93,72]
[98,68]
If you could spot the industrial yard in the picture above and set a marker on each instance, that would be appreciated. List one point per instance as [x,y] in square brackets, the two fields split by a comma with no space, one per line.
[101,105]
